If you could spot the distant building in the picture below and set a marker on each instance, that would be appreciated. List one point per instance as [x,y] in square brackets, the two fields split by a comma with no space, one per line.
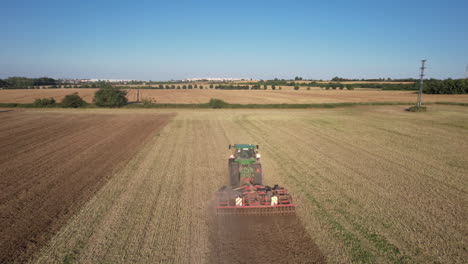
[217,79]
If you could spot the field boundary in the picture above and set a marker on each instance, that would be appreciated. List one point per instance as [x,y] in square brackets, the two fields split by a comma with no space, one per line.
[239,106]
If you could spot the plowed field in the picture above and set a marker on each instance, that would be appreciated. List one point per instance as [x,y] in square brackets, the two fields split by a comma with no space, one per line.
[256,239]
[372,184]
[52,163]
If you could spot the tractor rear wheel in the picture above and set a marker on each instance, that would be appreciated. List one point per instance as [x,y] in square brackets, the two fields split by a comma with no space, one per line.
[258,174]
[234,174]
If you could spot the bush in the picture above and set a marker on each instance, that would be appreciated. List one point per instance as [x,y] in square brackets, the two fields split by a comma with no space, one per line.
[216,103]
[417,109]
[110,97]
[308,88]
[279,88]
[201,86]
[211,86]
[349,87]
[44,102]
[73,101]
[296,87]
[148,102]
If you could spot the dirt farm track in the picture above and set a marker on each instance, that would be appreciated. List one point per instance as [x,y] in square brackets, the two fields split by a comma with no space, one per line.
[373,184]
[287,96]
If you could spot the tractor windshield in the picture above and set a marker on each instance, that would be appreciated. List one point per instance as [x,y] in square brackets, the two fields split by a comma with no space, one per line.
[245,153]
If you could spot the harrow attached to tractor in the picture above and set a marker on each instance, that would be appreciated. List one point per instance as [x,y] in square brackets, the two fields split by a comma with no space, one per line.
[247,195]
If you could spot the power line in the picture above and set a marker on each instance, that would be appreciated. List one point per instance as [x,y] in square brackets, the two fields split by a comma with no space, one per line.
[466,72]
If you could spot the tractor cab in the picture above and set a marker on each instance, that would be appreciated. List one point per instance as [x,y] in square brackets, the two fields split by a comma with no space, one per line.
[244,153]
[244,165]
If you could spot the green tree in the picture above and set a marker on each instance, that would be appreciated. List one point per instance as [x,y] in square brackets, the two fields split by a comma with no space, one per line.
[110,97]
[211,86]
[73,101]
[296,87]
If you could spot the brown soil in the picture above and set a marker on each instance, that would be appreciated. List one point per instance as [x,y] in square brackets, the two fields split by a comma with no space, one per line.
[52,162]
[262,239]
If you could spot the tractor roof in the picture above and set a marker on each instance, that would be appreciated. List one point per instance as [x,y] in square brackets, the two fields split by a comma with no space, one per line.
[241,146]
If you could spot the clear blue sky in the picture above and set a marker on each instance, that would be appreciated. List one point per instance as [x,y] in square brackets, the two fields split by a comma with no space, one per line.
[162,40]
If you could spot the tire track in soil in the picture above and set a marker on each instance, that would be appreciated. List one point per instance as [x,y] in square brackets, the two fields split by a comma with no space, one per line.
[262,239]
[259,239]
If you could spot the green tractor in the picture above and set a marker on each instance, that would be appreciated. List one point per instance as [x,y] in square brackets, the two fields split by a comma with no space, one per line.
[246,194]
[244,165]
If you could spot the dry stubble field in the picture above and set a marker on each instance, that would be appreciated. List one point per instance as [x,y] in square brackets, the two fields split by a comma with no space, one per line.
[285,96]
[373,184]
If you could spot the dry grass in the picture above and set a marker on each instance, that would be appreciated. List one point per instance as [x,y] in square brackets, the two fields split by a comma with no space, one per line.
[286,95]
[373,184]
[29,95]
[302,96]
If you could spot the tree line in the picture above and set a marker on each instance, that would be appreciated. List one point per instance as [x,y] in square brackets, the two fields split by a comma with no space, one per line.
[431,86]
[448,86]
[340,79]
[232,87]
[339,85]
[23,82]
